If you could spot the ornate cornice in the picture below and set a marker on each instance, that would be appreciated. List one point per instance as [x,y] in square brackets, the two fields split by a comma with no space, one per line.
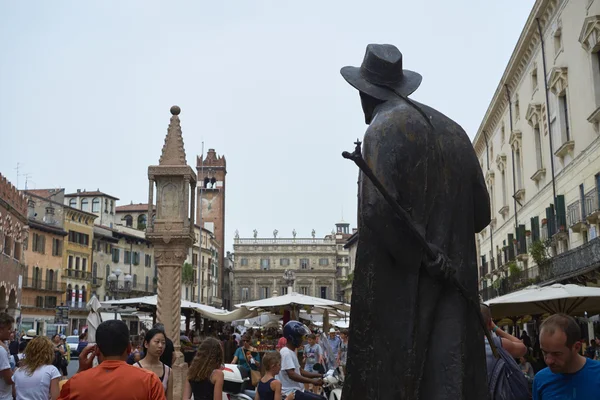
[590,34]
[515,140]
[501,162]
[534,114]
[557,80]
[526,48]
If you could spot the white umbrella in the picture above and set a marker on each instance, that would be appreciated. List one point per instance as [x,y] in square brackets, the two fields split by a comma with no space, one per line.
[557,298]
[94,319]
[291,299]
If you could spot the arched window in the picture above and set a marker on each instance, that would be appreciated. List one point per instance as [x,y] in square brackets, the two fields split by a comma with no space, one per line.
[134,280]
[128,221]
[106,205]
[147,283]
[85,204]
[37,278]
[76,294]
[94,272]
[73,203]
[141,222]
[69,293]
[50,279]
[107,272]
[96,205]
[83,295]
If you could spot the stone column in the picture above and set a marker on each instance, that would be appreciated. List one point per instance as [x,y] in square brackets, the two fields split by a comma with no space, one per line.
[149,224]
[169,259]
[186,206]
[193,218]
[314,287]
[171,236]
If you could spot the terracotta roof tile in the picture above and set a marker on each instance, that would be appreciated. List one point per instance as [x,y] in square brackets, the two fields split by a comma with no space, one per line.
[90,194]
[133,207]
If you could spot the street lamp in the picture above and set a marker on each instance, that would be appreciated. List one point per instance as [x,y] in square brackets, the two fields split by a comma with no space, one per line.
[113,285]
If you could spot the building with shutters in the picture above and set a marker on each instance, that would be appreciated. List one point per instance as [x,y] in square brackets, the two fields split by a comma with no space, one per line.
[13,237]
[319,265]
[539,149]
[77,264]
[44,286]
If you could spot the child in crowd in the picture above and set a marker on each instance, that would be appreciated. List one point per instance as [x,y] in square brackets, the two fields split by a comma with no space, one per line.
[269,388]
[313,354]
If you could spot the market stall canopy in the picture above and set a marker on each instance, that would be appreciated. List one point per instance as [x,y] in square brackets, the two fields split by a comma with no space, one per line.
[557,298]
[225,316]
[291,299]
[148,303]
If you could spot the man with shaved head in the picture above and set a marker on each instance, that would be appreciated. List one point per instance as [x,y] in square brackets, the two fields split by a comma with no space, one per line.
[569,375]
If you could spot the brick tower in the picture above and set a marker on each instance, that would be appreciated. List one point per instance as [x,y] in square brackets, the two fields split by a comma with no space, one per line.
[211,202]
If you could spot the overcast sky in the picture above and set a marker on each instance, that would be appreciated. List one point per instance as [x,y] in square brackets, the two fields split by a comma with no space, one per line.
[86,87]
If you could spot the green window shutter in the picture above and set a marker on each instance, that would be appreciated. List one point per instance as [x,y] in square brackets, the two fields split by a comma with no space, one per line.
[511,247]
[522,245]
[561,214]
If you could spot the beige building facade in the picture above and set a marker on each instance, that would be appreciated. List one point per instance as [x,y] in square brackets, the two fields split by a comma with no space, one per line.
[539,148]
[259,265]
[44,287]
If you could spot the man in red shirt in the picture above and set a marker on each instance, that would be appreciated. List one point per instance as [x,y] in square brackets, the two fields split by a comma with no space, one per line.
[113,378]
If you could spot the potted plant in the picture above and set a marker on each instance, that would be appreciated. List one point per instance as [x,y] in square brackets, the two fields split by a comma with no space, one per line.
[527,233]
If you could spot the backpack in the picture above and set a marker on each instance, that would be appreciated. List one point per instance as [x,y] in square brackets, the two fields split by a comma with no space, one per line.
[505,379]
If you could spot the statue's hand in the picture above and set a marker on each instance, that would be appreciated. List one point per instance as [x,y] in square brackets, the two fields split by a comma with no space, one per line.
[441,267]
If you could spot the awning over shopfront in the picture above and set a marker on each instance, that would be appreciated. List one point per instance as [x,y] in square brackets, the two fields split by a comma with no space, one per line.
[557,298]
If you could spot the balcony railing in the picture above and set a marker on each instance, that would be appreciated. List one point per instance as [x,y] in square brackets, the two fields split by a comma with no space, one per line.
[77,274]
[569,264]
[96,281]
[76,305]
[592,206]
[574,218]
[40,302]
[276,241]
[41,284]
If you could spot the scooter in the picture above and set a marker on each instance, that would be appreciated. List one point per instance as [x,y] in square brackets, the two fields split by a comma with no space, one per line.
[236,381]
[333,382]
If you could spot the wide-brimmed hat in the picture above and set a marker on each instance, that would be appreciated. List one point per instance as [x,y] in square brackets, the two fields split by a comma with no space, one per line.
[31,333]
[381,73]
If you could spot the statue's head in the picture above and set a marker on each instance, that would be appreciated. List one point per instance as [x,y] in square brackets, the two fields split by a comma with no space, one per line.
[381,77]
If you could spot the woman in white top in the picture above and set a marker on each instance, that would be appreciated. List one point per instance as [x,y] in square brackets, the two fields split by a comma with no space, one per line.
[37,378]
[154,346]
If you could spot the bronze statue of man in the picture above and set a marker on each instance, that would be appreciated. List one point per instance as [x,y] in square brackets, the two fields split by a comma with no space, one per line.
[413,336]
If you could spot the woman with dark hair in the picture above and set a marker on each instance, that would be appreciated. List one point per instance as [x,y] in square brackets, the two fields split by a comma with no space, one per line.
[205,377]
[37,378]
[60,352]
[154,346]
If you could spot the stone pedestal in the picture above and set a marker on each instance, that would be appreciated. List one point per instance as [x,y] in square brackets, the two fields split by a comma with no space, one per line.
[171,233]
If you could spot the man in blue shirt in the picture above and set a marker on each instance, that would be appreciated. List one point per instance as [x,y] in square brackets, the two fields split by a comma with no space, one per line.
[334,344]
[568,375]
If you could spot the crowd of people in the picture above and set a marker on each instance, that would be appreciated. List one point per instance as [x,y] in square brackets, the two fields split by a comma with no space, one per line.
[34,367]
[293,371]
